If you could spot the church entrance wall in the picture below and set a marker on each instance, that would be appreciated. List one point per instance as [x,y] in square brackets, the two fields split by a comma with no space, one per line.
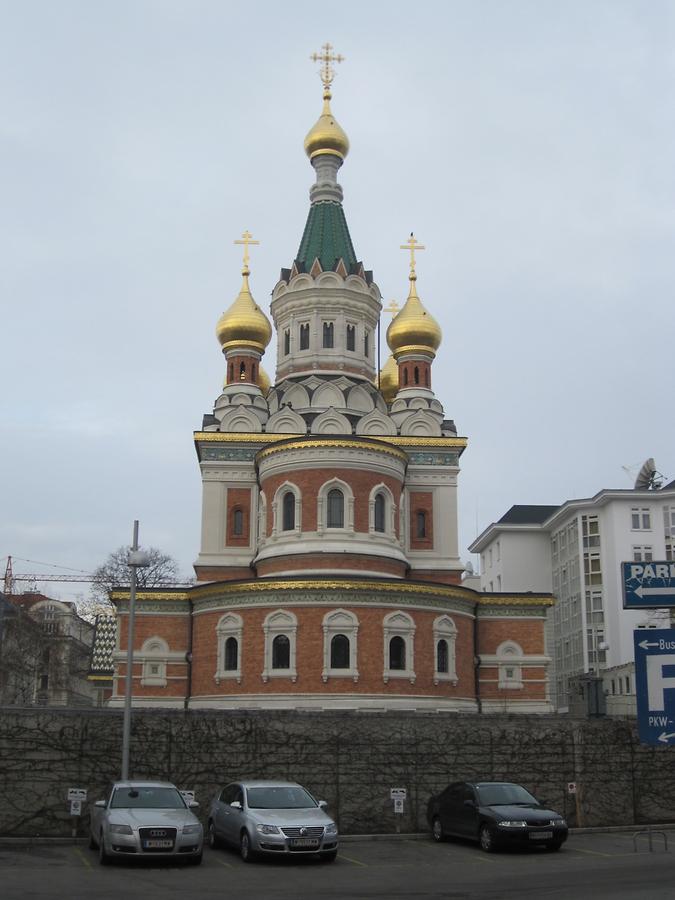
[350,759]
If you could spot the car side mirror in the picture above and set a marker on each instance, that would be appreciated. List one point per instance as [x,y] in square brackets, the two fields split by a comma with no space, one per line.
[100,804]
[322,804]
[236,804]
[193,804]
[470,803]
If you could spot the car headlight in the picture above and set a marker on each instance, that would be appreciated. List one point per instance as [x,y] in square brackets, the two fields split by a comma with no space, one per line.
[513,823]
[191,829]
[331,829]
[267,829]
[120,829]
[559,822]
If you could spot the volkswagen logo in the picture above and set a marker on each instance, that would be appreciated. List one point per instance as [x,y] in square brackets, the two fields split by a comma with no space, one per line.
[303,831]
[157,832]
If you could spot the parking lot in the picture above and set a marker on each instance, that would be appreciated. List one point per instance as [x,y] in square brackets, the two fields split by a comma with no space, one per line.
[589,865]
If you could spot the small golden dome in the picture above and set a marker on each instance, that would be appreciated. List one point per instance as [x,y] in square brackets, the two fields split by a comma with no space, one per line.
[244,324]
[414,329]
[326,136]
[389,379]
[264,382]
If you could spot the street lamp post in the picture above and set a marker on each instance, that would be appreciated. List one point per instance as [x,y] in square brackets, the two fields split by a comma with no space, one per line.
[137,559]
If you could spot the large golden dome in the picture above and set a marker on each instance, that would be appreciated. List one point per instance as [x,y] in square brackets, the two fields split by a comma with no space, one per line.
[264,382]
[414,329]
[326,136]
[389,379]
[244,324]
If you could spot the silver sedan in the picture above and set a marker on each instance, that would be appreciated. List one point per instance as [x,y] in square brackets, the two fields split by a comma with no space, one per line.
[271,817]
[145,818]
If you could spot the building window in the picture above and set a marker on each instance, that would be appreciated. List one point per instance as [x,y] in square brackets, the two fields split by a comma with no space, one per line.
[237,522]
[287,342]
[405,376]
[351,337]
[288,514]
[399,646]
[335,509]
[228,635]
[640,518]
[304,336]
[280,628]
[328,334]
[379,512]
[643,554]
[242,371]
[510,656]
[366,344]
[340,630]
[442,657]
[416,375]
[154,657]
[420,524]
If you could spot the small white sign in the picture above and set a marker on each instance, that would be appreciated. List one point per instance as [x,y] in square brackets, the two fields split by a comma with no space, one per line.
[188,796]
[77,794]
[399,804]
[76,807]
[571,787]
[400,793]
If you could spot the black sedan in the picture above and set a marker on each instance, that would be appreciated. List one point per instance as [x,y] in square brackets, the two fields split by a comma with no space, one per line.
[496,814]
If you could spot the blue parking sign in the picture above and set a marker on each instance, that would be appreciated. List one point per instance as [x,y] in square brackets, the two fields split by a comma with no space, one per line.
[655,685]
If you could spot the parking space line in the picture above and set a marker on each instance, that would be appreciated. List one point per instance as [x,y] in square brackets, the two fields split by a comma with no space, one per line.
[84,859]
[592,852]
[356,862]
[223,863]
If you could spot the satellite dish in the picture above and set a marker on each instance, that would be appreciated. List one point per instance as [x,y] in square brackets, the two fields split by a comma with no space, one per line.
[648,478]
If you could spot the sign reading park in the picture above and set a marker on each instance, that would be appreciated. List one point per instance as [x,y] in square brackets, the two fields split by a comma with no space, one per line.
[655,685]
[648,585]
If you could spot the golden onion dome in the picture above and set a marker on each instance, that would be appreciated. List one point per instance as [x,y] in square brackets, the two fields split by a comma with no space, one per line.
[244,324]
[326,136]
[264,382]
[414,329]
[389,379]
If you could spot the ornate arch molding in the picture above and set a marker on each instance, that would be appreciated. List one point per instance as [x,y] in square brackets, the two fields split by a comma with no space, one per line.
[340,622]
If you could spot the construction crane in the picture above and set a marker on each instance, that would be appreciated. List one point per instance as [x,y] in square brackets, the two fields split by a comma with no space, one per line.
[11,578]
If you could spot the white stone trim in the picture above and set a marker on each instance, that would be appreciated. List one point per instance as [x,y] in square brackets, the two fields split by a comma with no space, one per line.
[510,661]
[321,508]
[399,624]
[278,511]
[389,512]
[445,630]
[276,623]
[154,657]
[230,625]
[340,621]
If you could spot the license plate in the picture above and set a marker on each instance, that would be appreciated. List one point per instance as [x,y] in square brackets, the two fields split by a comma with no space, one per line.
[541,835]
[157,845]
[304,842]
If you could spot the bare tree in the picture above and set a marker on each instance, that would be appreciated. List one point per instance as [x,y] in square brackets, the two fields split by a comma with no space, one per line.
[115,573]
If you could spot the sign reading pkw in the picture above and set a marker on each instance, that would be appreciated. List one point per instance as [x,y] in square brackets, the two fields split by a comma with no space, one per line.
[655,685]
[648,585]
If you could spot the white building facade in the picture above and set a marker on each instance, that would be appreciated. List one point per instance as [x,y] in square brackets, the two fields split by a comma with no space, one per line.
[575,551]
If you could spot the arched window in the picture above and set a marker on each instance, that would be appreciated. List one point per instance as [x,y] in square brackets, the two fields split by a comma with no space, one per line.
[339,652]
[351,337]
[421,524]
[304,337]
[287,342]
[405,376]
[231,654]
[281,652]
[335,512]
[397,654]
[366,344]
[242,371]
[238,522]
[442,657]
[416,375]
[328,334]
[288,511]
[379,512]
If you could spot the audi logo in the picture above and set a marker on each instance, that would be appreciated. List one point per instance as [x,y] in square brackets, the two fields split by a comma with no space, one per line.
[156,832]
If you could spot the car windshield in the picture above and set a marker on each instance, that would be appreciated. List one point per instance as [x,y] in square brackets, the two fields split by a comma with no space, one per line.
[147,798]
[286,797]
[503,795]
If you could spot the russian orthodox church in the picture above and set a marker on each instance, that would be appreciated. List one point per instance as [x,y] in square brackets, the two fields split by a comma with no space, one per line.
[329,573]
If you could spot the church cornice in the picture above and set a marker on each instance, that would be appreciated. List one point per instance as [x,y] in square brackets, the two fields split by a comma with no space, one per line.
[216,437]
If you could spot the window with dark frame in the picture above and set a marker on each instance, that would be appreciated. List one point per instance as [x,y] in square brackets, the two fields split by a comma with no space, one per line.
[420,524]
[442,656]
[328,331]
[304,337]
[335,511]
[231,654]
[281,652]
[351,337]
[238,522]
[379,512]
[288,512]
[339,652]
[397,653]
[287,342]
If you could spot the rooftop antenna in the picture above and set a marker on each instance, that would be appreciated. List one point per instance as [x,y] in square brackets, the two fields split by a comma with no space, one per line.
[649,479]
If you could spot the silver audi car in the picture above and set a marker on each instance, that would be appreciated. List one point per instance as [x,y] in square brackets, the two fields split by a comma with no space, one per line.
[271,817]
[146,819]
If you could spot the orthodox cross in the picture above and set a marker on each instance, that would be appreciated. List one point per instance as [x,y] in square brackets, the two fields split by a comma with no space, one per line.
[393,308]
[326,57]
[412,245]
[247,239]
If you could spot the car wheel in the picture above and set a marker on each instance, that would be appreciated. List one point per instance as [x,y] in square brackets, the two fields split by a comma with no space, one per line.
[486,839]
[214,840]
[103,857]
[247,854]
[329,856]
[437,830]
[554,845]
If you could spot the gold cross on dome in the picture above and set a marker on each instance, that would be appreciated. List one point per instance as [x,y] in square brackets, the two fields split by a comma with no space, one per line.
[393,308]
[247,239]
[326,57]
[412,245]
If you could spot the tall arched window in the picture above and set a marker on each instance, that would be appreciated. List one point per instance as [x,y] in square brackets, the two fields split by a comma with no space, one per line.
[339,652]
[328,334]
[351,337]
[231,654]
[379,512]
[397,653]
[287,342]
[288,511]
[417,375]
[421,524]
[281,652]
[405,376]
[238,522]
[442,657]
[335,512]
[242,371]
[304,337]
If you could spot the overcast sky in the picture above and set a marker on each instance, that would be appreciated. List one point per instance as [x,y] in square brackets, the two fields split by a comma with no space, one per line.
[529,145]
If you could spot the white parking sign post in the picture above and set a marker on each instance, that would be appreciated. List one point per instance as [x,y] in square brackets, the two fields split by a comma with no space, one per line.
[76,797]
[398,795]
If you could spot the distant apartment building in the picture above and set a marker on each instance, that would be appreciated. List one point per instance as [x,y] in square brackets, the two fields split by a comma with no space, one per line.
[575,551]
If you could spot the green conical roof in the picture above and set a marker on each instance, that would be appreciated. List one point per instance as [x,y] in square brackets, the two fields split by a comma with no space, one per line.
[326,237]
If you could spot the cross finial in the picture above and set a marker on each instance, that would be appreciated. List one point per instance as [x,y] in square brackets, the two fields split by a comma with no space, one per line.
[247,239]
[412,245]
[326,57]
[393,308]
